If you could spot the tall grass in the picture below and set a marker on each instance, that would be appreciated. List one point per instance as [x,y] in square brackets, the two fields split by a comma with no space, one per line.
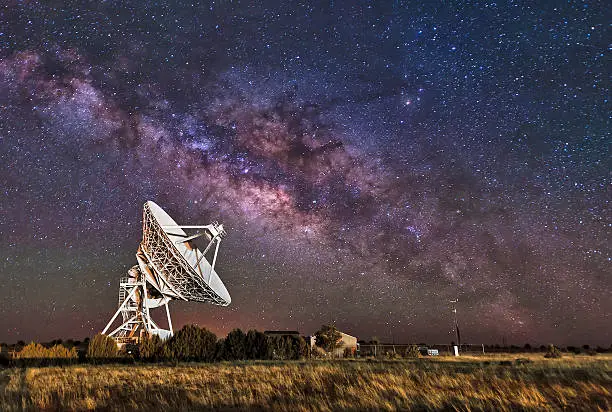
[576,383]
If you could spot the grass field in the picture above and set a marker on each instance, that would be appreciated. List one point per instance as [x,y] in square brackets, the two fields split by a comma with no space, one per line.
[466,383]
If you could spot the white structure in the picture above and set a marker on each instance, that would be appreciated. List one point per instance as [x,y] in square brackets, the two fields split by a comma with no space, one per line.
[170,266]
[346,341]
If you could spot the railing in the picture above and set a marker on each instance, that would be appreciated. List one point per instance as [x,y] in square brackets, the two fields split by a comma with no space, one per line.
[387,349]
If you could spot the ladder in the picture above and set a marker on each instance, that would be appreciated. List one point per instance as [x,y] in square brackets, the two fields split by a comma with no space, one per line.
[122,291]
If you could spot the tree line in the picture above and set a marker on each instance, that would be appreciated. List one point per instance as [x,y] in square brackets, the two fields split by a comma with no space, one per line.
[191,343]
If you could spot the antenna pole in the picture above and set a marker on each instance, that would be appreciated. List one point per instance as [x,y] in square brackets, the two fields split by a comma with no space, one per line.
[169,320]
[456,323]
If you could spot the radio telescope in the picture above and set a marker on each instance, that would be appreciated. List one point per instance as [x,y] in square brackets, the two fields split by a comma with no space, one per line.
[170,266]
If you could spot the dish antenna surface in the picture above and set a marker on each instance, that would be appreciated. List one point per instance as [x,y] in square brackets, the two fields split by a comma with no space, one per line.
[170,266]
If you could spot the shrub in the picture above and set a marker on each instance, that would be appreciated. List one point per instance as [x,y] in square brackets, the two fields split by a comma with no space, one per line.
[191,343]
[328,338]
[36,354]
[412,351]
[348,353]
[32,351]
[279,347]
[62,352]
[102,347]
[287,347]
[235,345]
[256,345]
[301,347]
[553,352]
[392,355]
[36,350]
[4,359]
[319,353]
[151,348]
[220,350]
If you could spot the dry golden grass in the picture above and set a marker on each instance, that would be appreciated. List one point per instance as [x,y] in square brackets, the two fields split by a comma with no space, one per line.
[465,383]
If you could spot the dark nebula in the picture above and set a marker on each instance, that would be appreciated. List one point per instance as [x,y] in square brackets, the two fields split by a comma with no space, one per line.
[371,161]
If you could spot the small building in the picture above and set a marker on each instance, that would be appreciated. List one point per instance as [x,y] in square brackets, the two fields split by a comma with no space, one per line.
[281,333]
[346,342]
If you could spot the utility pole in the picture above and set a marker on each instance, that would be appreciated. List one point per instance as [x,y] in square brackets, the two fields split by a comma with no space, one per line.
[456,325]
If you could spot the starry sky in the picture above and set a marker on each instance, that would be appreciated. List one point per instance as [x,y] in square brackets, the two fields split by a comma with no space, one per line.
[370,160]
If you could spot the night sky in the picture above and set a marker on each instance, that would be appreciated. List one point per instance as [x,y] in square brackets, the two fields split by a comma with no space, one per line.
[370,161]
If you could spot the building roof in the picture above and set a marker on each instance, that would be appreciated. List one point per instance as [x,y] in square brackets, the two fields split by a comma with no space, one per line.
[282,332]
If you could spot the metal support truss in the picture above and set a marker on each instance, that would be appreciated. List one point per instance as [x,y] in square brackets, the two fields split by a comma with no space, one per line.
[134,307]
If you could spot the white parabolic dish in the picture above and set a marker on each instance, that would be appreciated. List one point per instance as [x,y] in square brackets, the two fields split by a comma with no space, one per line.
[179,264]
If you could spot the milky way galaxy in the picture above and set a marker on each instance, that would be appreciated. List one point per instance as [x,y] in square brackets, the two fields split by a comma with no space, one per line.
[370,161]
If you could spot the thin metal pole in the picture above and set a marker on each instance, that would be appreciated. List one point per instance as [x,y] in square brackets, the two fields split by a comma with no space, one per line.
[214,260]
[186,227]
[169,320]
[145,307]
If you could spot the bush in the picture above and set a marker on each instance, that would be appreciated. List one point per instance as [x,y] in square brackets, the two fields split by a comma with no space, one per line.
[102,347]
[220,350]
[36,354]
[392,355]
[301,347]
[4,359]
[235,345]
[151,348]
[31,351]
[412,351]
[279,347]
[319,353]
[256,345]
[37,351]
[287,347]
[328,338]
[191,343]
[553,352]
[62,352]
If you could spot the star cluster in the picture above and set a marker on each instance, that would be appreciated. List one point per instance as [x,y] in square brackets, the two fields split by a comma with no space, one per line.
[370,161]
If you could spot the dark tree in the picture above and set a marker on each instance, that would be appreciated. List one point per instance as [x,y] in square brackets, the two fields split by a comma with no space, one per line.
[220,350]
[192,343]
[328,338]
[151,348]
[553,352]
[235,345]
[256,345]
[301,347]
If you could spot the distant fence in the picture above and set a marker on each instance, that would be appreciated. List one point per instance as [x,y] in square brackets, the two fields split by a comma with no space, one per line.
[388,349]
